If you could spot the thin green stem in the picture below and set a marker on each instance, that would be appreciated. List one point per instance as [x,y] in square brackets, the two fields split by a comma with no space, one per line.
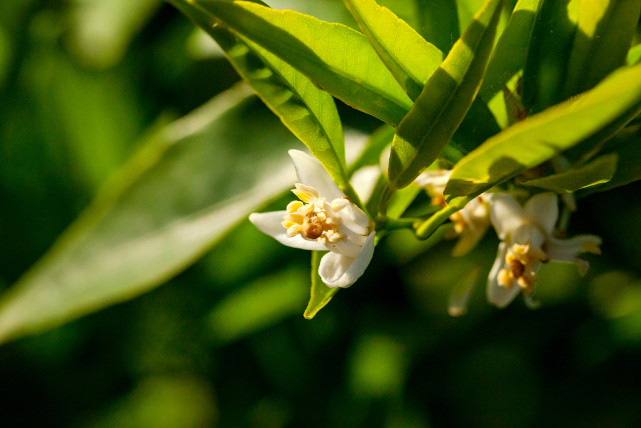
[425,229]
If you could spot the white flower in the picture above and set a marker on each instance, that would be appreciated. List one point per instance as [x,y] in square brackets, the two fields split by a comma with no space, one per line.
[470,223]
[526,242]
[323,219]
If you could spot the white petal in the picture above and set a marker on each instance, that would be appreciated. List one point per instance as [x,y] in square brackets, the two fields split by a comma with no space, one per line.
[270,224]
[506,214]
[543,209]
[436,179]
[496,294]
[337,270]
[312,173]
[364,180]
[468,240]
[567,250]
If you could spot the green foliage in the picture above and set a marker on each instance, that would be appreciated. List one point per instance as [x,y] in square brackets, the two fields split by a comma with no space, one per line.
[599,171]
[154,218]
[306,110]
[87,85]
[320,293]
[604,30]
[410,58]
[540,137]
[447,96]
[356,75]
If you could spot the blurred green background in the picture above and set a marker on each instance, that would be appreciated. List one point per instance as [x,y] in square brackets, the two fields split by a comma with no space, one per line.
[83,84]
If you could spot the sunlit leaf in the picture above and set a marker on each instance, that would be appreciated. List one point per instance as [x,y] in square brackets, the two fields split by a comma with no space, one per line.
[162,211]
[410,58]
[307,111]
[598,171]
[605,30]
[321,294]
[334,56]
[445,100]
[540,137]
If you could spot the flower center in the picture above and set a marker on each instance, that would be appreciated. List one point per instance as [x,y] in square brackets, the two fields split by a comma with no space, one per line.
[522,261]
[315,219]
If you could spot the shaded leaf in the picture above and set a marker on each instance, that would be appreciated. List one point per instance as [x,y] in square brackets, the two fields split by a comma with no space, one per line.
[601,110]
[334,56]
[439,22]
[598,171]
[550,46]
[321,294]
[628,151]
[445,100]
[162,211]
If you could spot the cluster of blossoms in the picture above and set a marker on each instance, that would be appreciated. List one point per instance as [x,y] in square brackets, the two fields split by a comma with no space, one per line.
[324,219]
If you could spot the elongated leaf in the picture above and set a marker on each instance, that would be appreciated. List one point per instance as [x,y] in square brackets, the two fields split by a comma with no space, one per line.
[410,58]
[511,50]
[540,137]
[550,46]
[334,56]
[445,100]
[628,151]
[158,215]
[321,294]
[598,171]
[601,43]
[307,111]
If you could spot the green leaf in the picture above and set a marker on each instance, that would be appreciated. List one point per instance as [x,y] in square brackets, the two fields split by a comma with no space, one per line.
[334,56]
[598,171]
[321,294]
[510,53]
[601,43]
[161,212]
[634,55]
[439,22]
[445,100]
[307,111]
[628,150]
[258,305]
[526,144]
[550,46]
[410,58]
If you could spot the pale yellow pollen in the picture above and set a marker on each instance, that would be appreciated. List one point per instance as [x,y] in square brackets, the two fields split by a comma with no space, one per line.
[591,247]
[521,260]
[294,206]
[312,218]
